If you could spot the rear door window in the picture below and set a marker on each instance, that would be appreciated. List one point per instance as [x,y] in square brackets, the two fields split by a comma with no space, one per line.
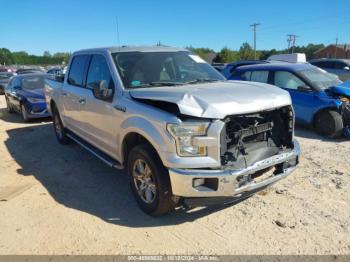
[77,70]
[259,76]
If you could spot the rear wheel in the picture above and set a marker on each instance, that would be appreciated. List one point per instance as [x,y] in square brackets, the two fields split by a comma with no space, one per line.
[329,123]
[149,181]
[24,112]
[60,131]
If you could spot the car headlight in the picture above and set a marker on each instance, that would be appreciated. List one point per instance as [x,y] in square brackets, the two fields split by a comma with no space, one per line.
[344,99]
[184,134]
[35,100]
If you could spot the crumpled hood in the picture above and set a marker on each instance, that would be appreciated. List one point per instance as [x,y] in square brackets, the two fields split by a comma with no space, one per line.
[343,89]
[217,99]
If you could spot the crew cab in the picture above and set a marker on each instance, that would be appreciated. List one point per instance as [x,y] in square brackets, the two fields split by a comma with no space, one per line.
[184,134]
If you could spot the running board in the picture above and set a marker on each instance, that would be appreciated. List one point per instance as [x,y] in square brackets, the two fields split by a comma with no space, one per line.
[95,151]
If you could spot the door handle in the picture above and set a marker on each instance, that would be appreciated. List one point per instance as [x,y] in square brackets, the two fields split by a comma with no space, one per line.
[64,94]
[82,101]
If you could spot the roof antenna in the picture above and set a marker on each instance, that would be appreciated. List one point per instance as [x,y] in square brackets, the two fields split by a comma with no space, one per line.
[118,38]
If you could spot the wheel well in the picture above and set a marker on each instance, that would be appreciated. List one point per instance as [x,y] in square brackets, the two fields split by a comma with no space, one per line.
[130,141]
[52,105]
[321,111]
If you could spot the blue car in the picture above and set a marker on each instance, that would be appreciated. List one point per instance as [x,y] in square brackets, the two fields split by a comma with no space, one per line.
[318,97]
[25,94]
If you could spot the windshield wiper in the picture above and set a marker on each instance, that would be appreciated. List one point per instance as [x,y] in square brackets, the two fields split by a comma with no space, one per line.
[202,80]
[165,83]
[157,83]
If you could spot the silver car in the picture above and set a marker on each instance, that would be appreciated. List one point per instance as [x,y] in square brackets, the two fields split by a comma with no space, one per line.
[339,67]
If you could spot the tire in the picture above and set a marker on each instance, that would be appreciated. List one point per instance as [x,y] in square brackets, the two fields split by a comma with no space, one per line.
[24,113]
[60,131]
[9,107]
[155,196]
[329,123]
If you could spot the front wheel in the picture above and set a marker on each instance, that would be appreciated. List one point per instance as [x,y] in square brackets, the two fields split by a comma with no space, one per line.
[25,114]
[149,181]
[9,107]
[329,123]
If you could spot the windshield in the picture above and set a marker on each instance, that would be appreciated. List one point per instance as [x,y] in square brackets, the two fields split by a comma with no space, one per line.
[148,69]
[33,82]
[320,78]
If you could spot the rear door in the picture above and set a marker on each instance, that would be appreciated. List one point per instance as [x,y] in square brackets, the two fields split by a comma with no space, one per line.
[72,91]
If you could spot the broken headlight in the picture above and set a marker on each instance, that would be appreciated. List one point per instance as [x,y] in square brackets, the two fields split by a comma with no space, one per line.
[184,134]
[344,99]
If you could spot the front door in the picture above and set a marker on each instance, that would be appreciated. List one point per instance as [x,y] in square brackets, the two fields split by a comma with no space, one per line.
[100,120]
[304,99]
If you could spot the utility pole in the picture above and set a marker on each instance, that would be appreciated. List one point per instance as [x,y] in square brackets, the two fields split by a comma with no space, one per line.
[291,39]
[254,30]
[336,47]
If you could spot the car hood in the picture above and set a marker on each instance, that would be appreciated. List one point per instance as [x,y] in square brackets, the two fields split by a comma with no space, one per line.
[343,89]
[36,93]
[219,99]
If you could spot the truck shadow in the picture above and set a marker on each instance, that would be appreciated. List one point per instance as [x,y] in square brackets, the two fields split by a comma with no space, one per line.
[78,180]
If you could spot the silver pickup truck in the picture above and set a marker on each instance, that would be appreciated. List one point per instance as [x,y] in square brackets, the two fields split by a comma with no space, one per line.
[184,134]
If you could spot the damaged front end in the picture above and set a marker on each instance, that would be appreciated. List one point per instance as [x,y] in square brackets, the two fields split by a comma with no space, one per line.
[345,113]
[250,138]
[256,149]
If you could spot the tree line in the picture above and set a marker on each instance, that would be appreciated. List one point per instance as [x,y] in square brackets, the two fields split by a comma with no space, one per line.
[225,55]
[23,58]
[246,52]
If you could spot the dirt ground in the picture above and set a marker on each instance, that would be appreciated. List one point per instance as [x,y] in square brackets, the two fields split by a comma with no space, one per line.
[61,200]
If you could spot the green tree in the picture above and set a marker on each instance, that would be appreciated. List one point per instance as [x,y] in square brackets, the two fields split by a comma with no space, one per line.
[246,52]
[6,57]
[47,54]
[204,53]
[226,55]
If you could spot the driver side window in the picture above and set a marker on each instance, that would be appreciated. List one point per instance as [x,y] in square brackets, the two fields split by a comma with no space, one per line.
[98,75]
[287,80]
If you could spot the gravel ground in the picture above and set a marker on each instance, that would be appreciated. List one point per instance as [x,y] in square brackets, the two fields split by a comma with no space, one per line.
[61,200]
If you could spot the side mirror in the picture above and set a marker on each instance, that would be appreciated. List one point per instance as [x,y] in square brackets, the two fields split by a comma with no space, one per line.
[59,78]
[101,90]
[16,87]
[304,88]
[347,68]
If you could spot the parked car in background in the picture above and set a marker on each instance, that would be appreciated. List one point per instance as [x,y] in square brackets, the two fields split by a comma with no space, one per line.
[55,71]
[183,132]
[318,97]
[23,71]
[25,94]
[229,68]
[4,79]
[219,66]
[339,67]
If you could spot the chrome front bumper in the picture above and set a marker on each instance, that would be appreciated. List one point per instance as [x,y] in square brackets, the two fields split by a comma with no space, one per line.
[228,179]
